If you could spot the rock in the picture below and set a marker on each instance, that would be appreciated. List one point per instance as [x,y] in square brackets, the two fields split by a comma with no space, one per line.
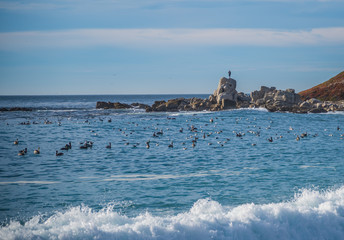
[275,100]
[305,105]
[242,97]
[159,106]
[227,104]
[290,90]
[243,104]
[314,101]
[243,100]
[317,110]
[140,105]
[212,99]
[255,95]
[173,104]
[226,90]
[110,105]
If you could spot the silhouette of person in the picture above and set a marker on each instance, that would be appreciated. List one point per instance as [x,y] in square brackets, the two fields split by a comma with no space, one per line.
[229,73]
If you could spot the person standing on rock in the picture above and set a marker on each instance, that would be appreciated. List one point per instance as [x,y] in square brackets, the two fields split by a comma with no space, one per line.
[229,73]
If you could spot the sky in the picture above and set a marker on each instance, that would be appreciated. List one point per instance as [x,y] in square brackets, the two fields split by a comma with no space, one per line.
[167,46]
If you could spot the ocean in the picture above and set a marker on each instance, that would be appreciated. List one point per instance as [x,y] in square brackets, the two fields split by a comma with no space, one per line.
[246,177]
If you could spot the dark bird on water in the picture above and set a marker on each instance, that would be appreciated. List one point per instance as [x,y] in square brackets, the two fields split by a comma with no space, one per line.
[58,154]
[22,152]
[37,151]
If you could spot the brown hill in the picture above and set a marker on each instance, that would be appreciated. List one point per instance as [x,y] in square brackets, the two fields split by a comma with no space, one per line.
[331,90]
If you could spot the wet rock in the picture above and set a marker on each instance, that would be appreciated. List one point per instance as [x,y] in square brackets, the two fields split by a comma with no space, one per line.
[140,105]
[317,110]
[228,104]
[110,105]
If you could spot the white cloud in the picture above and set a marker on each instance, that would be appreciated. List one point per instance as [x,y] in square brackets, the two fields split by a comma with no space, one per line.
[137,38]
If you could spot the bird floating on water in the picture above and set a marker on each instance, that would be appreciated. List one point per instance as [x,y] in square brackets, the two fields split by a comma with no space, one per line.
[37,151]
[58,153]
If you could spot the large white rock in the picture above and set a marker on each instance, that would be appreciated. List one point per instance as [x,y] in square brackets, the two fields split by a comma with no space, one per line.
[226,90]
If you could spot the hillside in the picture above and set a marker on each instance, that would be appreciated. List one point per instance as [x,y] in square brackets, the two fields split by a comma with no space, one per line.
[331,90]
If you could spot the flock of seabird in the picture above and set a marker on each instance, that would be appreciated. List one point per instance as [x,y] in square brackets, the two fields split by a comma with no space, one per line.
[157,134]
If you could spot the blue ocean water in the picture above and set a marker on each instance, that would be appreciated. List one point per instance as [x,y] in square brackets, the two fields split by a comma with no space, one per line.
[225,187]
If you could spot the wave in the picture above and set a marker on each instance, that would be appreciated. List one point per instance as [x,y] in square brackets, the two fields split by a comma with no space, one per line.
[311,214]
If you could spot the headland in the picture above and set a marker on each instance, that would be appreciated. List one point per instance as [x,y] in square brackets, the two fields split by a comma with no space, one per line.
[226,97]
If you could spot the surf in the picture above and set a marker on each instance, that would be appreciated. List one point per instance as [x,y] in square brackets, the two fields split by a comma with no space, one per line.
[311,214]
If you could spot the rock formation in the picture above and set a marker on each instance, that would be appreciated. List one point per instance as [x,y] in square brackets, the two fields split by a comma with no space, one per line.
[275,100]
[118,105]
[226,97]
[225,94]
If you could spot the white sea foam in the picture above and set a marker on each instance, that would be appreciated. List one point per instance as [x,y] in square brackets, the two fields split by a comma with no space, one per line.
[261,109]
[335,113]
[310,215]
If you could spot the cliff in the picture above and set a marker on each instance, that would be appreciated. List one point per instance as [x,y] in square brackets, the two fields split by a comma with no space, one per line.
[331,90]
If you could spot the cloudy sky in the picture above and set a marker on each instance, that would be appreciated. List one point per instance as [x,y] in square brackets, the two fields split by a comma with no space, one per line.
[167,46]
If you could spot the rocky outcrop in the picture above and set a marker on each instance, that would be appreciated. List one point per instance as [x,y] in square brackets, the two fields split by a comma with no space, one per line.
[226,90]
[314,105]
[275,100]
[139,105]
[243,101]
[110,105]
[182,104]
[226,97]
[118,105]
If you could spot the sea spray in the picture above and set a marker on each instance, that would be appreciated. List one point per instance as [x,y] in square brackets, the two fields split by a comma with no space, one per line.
[311,214]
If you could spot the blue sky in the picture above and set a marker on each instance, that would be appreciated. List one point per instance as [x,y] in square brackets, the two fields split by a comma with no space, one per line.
[171,46]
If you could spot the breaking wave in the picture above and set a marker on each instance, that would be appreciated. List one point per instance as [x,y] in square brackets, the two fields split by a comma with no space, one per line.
[311,214]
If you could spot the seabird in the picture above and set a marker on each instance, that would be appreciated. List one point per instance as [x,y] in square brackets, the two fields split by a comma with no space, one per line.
[171,145]
[37,151]
[22,152]
[109,146]
[16,142]
[58,154]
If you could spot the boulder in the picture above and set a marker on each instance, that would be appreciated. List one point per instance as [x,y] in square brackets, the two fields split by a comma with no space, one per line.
[242,97]
[226,89]
[314,101]
[227,104]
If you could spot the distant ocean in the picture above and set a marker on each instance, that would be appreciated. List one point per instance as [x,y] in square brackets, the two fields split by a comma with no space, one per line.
[232,184]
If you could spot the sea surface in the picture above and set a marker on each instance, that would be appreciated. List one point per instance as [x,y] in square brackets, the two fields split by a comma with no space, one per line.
[232,184]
